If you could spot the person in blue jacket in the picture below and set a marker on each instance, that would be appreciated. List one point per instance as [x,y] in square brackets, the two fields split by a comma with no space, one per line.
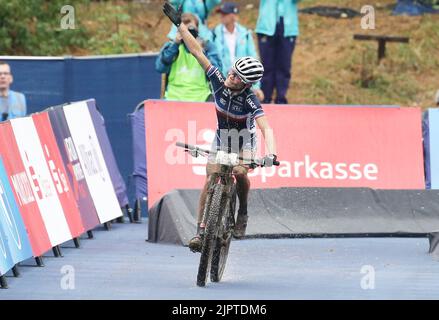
[199,8]
[277,29]
[185,79]
[12,103]
[234,41]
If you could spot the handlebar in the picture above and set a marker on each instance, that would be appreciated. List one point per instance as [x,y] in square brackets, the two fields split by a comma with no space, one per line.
[253,162]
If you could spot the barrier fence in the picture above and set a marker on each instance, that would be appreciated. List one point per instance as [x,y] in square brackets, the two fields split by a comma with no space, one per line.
[318,146]
[431,147]
[117,82]
[59,177]
[58,180]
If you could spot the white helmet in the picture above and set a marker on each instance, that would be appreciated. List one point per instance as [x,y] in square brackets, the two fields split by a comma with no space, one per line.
[249,69]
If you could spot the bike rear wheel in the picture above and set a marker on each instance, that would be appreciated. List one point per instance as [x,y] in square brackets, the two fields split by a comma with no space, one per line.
[222,244]
[210,234]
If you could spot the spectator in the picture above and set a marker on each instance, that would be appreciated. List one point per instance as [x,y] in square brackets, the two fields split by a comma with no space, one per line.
[201,9]
[174,59]
[277,29]
[234,41]
[12,103]
[437,99]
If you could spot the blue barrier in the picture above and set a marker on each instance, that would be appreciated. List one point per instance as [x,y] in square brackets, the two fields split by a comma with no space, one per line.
[14,243]
[117,83]
[431,147]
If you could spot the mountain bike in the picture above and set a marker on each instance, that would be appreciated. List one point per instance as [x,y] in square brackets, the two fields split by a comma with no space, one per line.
[219,212]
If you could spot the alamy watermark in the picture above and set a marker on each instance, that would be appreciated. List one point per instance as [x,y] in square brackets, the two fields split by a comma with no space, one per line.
[67,281]
[368,20]
[68,19]
[368,280]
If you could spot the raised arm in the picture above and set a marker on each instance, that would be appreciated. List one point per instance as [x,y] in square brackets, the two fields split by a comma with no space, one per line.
[194,46]
[191,43]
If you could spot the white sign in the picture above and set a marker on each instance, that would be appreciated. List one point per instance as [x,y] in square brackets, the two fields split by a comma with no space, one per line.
[40,179]
[92,161]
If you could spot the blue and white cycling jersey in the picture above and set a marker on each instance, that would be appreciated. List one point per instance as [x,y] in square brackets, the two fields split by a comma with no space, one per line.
[234,111]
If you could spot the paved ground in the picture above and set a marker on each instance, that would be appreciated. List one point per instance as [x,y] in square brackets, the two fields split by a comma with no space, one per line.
[119,264]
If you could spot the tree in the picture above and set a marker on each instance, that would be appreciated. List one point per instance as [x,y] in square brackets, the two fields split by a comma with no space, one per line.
[33,27]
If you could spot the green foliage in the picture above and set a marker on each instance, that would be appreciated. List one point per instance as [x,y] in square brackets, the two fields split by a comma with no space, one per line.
[33,27]
[113,36]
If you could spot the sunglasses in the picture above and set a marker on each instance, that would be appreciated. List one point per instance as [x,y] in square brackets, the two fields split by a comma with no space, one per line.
[234,76]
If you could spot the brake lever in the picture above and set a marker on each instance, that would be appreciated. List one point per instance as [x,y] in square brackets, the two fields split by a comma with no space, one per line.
[193,153]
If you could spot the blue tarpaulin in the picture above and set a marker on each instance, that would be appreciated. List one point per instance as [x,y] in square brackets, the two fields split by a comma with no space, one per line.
[412,8]
[430,130]
[139,151]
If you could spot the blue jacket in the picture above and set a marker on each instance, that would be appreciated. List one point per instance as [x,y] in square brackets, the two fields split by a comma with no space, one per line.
[245,46]
[267,19]
[197,8]
[14,105]
[169,53]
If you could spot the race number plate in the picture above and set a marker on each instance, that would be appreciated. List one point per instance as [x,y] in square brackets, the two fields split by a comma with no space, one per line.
[228,159]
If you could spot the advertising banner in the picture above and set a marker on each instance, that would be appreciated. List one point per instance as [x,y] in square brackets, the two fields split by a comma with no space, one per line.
[92,161]
[42,185]
[74,171]
[6,262]
[11,221]
[318,146]
[58,173]
[23,191]
[107,151]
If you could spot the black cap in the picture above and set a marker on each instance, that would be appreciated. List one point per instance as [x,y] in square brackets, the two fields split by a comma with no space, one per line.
[228,7]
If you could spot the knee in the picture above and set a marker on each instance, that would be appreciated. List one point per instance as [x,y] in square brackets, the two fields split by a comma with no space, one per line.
[240,173]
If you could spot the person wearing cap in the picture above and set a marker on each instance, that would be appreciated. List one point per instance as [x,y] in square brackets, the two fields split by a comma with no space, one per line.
[12,103]
[277,28]
[185,79]
[234,40]
[201,9]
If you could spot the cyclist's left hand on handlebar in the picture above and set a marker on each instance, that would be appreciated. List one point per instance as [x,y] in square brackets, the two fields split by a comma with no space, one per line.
[173,14]
[269,160]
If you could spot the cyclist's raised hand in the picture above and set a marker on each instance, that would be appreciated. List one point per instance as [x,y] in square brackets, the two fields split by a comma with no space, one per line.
[173,14]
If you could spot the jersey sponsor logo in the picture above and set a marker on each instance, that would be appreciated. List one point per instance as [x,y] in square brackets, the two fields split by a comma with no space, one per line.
[219,75]
[223,101]
[236,102]
[251,103]
[236,108]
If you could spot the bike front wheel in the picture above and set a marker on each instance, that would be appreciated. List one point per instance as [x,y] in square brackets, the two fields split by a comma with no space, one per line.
[210,234]
[222,245]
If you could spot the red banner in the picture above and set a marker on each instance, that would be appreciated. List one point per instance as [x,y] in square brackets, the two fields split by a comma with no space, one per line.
[23,193]
[318,146]
[58,173]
